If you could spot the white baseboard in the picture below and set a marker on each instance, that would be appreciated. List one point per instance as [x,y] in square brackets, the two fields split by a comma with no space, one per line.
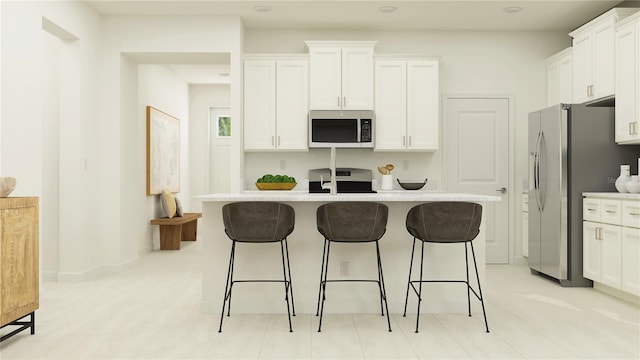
[92,273]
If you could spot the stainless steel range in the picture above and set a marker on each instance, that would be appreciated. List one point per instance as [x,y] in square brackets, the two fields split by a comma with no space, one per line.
[349,180]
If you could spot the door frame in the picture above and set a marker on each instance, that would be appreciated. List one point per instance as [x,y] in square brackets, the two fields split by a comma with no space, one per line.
[513,192]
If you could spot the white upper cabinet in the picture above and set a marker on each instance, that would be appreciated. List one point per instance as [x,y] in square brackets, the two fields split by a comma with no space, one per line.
[276,103]
[627,80]
[341,75]
[594,56]
[560,78]
[407,104]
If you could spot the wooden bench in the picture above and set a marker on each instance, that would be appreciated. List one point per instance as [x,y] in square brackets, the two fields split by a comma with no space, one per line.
[176,229]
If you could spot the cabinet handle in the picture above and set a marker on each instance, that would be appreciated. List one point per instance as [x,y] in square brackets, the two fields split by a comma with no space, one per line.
[635,128]
[344,101]
[272,141]
[404,141]
[338,101]
[610,211]
[409,140]
[634,214]
[588,90]
[598,233]
[591,209]
[278,140]
[630,128]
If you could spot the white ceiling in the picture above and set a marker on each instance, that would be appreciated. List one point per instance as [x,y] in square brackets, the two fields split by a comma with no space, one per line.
[536,15]
[562,15]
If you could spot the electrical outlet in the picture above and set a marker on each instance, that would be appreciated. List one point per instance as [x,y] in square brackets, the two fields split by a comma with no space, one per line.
[283,164]
[344,268]
[405,164]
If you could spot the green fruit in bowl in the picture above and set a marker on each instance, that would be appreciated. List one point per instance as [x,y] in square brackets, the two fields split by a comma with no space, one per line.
[268,178]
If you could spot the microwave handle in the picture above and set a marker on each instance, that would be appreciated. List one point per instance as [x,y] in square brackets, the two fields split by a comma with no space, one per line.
[359,130]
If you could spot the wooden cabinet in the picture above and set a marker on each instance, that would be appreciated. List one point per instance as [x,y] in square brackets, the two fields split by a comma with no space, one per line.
[611,242]
[627,80]
[407,104]
[594,56]
[341,75]
[19,262]
[560,78]
[276,103]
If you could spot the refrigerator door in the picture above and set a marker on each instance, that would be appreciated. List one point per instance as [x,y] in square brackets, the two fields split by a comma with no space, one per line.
[552,191]
[534,208]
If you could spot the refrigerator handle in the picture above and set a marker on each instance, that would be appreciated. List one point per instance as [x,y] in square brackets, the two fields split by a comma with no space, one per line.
[536,172]
[541,160]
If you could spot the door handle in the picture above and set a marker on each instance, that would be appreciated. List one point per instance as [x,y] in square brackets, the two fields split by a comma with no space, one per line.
[502,190]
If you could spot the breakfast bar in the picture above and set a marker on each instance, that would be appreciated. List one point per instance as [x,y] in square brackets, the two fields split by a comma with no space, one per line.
[306,247]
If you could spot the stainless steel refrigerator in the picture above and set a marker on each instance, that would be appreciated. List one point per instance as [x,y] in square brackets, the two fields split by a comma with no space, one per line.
[571,151]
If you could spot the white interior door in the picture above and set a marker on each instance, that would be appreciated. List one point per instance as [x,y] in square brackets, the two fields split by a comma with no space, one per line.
[476,155]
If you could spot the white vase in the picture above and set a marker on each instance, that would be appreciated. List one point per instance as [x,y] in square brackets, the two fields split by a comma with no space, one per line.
[623,179]
[633,186]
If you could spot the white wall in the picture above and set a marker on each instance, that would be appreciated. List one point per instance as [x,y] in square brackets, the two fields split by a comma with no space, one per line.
[471,62]
[162,89]
[201,98]
[70,121]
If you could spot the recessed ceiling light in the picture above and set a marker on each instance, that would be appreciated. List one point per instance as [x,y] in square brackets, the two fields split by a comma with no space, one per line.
[387,9]
[262,8]
[512,9]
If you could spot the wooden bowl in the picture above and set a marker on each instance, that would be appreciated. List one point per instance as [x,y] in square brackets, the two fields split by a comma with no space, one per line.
[276,186]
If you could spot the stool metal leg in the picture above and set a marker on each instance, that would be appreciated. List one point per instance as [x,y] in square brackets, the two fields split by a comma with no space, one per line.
[286,284]
[286,248]
[479,288]
[406,297]
[466,261]
[324,253]
[420,286]
[323,285]
[383,290]
[227,288]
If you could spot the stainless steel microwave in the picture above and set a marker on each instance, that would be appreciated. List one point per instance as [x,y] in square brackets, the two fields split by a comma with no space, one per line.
[341,128]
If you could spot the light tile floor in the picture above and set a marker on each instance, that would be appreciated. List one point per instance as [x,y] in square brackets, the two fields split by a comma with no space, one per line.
[152,312]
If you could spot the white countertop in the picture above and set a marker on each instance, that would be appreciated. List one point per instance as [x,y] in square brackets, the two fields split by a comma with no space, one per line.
[612,195]
[301,196]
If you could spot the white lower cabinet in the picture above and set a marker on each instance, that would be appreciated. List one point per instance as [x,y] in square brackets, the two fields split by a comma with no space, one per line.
[611,243]
[630,263]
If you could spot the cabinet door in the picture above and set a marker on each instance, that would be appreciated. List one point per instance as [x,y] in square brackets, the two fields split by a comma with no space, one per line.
[259,104]
[591,249]
[390,104]
[357,78]
[631,261]
[553,83]
[292,105]
[325,78]
[581,67]
[19,264]
[603,55]
[565,80]
[611,256]
[423,112]
[626,59]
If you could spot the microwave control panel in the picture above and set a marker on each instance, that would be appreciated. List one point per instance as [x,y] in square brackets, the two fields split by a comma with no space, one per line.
[365,130]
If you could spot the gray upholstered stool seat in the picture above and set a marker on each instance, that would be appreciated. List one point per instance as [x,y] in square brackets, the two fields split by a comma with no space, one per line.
[351,222]
[258,222]
[445,223]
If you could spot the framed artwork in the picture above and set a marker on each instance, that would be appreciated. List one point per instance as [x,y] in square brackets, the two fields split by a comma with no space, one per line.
[163,152]
[224,126]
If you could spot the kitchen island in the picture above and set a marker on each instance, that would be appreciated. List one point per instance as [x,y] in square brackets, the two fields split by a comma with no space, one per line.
[347,261]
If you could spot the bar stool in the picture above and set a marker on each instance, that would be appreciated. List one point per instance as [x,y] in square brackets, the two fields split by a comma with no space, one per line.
[445,223]
[351,222]
[258,222]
